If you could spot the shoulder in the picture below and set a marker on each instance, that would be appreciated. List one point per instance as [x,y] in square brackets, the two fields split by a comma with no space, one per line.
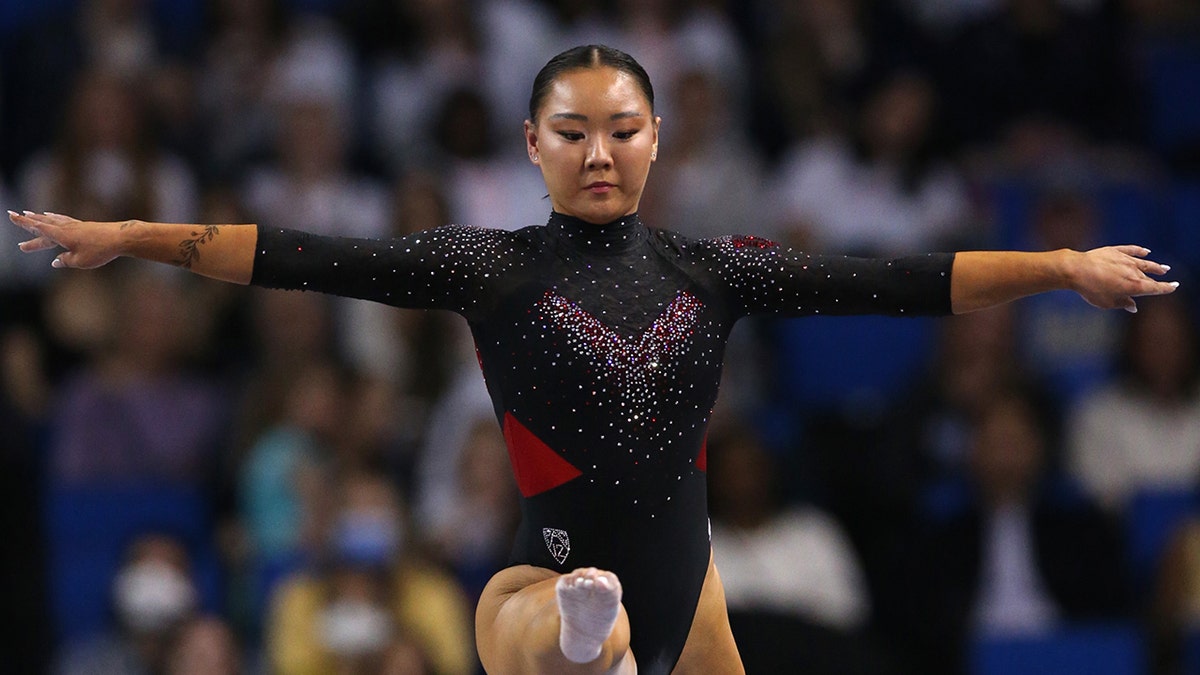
[713,246]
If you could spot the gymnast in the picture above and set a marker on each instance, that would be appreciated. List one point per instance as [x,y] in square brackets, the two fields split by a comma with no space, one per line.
[601,340]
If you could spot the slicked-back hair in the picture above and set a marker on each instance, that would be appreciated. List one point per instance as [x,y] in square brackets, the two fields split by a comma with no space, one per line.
[582,58]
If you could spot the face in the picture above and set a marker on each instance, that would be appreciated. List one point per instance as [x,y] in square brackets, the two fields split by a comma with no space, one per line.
[594,140]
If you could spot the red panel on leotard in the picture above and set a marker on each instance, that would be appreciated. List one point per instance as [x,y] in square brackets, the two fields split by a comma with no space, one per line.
[702,458]
[536,466]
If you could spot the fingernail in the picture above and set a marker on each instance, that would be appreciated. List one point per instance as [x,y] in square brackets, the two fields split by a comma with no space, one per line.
[28,213]
[56,263]
[1166,268]
[1174,284]
[12,213]
[1131,310]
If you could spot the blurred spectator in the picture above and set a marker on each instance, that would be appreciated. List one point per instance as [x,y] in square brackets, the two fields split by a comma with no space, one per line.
[287,329]
[23,556]
[282,480]
[312,188]
[707,174]
[1022,553]
[817,56]
[975,359]
[204,646]
[586,22]
[880,190]
[419,53]
[379,429]
[1064,339]
[1175,606]
[153,594]
[311,184]
[474,535]
[415,350]
[245,40]
[1143,430]
[373,602]
[127,39]
[1044,60]
[787,569]
[465,405]
[484,187]
[518,37]
[136,414]
[106,164]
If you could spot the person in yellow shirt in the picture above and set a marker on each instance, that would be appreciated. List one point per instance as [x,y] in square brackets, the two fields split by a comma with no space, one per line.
[372,606]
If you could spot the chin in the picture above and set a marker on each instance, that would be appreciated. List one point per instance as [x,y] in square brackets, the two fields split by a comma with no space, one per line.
[600,214]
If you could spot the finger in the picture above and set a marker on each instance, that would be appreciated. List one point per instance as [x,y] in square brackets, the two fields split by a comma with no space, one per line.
[1158,288]
[32,222]
[1133,250]
[58,218]
[24,222]
[65,259]
[44,219]
[38,244]
[1151,267]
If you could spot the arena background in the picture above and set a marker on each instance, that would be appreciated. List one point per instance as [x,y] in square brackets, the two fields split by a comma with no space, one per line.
[204,478]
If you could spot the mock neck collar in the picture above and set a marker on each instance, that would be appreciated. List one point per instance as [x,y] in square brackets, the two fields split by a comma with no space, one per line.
[618,236]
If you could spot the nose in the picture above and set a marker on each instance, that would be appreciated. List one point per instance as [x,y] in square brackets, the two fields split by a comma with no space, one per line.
[598,156]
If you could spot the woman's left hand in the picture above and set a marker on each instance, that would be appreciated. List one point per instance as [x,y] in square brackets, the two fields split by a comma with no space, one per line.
[1111,277]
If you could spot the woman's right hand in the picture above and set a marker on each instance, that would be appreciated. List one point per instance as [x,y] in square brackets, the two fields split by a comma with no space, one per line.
[86,244]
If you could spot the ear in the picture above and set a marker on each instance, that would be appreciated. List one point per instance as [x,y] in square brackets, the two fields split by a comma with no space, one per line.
[654,147]
[531,140]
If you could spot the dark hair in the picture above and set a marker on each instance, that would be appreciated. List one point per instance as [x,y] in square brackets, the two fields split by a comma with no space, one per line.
[583,57]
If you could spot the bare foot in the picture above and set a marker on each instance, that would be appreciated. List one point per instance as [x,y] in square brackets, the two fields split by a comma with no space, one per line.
[588,603]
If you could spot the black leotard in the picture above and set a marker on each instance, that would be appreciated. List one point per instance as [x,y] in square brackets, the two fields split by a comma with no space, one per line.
[602,349]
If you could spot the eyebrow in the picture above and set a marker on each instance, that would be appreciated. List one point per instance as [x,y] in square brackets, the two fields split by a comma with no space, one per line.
[584,118]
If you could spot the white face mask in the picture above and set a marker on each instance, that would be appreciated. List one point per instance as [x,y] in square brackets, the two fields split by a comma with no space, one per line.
[368,537]
[152,596]
[353,628]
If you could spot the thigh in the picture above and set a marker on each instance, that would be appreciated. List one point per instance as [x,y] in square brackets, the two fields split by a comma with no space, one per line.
[710,649]
[496,637]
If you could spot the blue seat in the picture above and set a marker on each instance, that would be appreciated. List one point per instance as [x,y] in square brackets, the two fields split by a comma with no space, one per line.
[1151,518]
[828,362]
[1012,205]
[1130,214]
[88,530]
[1173,76]
[1184,221]
[1101,649]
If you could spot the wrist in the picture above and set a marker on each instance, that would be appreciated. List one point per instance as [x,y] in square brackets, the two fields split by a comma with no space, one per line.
[1066,268]
[130,234]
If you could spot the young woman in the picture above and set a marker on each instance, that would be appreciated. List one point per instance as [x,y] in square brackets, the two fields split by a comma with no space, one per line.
[601,341]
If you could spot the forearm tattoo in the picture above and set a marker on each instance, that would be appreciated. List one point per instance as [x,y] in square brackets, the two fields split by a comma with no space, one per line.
[189,249]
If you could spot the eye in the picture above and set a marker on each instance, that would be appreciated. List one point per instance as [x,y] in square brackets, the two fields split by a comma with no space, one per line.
[571,135]
[625,135]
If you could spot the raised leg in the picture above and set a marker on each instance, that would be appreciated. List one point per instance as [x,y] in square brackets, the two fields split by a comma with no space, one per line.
[533,620]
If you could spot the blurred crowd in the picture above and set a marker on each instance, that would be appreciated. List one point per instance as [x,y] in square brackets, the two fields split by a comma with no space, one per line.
[202,478]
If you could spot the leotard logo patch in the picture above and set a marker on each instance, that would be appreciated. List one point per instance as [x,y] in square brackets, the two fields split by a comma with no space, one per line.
[558,543]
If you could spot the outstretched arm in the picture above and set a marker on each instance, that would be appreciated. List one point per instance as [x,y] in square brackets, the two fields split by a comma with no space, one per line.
[224,252]
[1108,278]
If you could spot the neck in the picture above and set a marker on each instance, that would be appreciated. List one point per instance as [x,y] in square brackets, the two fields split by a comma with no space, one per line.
[617,236]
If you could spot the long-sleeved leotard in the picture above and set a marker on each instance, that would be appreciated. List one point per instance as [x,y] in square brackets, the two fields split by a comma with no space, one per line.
[602,350]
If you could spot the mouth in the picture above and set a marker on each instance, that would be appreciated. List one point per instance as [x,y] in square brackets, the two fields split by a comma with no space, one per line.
[599,187]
